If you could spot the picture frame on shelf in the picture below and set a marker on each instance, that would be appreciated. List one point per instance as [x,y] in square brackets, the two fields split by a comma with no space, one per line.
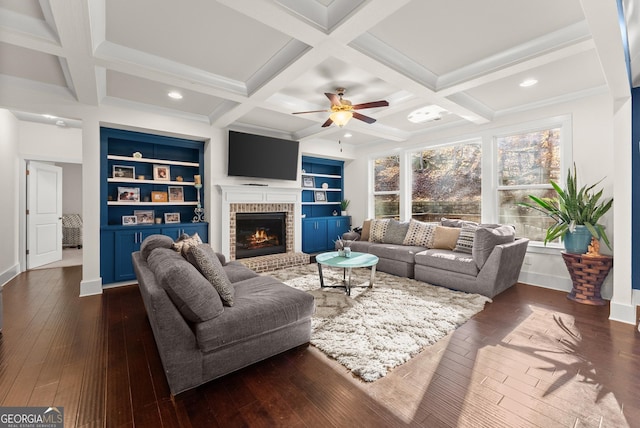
[144,216]
[129,220]
[171,218]
[161,172]
[123,172]
[320,196]
[308,181]
[157,196]
[128,194]
[176,193]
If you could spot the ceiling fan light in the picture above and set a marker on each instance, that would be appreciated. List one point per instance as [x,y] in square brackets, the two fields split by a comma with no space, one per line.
[341,118]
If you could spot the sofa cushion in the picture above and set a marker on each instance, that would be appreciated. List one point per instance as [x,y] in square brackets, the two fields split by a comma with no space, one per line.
[205,260]
[366,230]
[236,271]
[420,234]
[486,238]
[189,291]
[361,246]
[185,241]
[401,253]
[396,232]
[465,240]
[445,238]
[263,304]
[447,260]
[378,229]
[152,242]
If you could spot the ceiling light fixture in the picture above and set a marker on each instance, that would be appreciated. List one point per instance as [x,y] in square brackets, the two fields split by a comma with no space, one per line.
[341,117]
[48,116]
[175,95]
[426,114]
[528,82]
[348,135]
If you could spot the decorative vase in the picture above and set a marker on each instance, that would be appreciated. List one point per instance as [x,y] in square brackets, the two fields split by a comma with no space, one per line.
[343,213]
[577,242]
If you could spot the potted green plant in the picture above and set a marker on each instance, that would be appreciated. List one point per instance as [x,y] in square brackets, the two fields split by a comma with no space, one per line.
[344,204]
[576,212]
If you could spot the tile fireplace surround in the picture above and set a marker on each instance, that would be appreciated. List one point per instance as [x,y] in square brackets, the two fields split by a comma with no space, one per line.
[254,199]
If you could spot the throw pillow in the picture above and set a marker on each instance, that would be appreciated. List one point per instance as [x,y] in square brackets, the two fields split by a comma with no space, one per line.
[465,240]
[185,241]
[366,230]
[205,260]
[445,238]
[378,228]
[190,292]
[152,242]
[455,222]
[420,234]
[396,232]
[486,238]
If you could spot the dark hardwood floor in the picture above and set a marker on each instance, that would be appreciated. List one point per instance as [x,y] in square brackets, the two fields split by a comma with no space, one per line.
[532,358]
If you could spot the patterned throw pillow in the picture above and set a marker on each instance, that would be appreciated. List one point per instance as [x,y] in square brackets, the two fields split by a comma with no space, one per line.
[420,234]
[378,229]
[185,241]
[204,258]
[465,240]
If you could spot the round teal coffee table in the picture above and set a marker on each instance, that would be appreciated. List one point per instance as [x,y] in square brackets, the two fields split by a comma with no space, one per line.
[356,260]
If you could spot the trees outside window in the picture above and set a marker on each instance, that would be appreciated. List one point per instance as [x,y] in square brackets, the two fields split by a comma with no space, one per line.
[447,182]
[526,163]
[386,187]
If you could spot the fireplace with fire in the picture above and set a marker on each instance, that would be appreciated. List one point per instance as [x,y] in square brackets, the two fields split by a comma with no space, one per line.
[259,234]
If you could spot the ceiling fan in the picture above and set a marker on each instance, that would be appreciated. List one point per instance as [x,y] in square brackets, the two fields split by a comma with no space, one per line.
[342,110]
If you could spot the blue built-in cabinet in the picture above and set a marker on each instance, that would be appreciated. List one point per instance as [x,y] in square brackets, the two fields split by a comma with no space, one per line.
[635,186]
[322,191]
[131,163]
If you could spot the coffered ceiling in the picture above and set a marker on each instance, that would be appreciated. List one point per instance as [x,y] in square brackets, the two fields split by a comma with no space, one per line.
[248,64]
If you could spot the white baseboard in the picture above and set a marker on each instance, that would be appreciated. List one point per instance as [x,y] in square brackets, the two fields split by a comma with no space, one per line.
[9,274]
[622,313]
[546,281]
[90,287]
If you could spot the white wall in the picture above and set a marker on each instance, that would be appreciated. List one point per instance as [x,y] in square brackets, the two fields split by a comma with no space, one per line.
[40,141]
[592,129]
[9,266]
[71,187]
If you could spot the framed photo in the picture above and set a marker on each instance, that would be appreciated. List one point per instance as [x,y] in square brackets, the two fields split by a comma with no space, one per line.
[161,173]
[176,193]
[172,217]
[320,196]
[144,216]
[128,194]
[308,181]
[158,196]
[129,220]
[122,171]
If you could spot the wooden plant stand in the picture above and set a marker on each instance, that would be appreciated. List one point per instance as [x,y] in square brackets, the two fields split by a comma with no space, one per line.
[587,274]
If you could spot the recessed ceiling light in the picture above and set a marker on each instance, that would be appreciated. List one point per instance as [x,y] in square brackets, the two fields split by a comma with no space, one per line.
[426,114]
[528,82]
[48,116]
[175,95]
[348,135]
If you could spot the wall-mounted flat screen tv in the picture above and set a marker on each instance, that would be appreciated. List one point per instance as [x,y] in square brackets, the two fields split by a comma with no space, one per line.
[262,157]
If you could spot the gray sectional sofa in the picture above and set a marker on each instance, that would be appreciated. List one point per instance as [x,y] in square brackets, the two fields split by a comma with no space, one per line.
[209,317]
[465,256]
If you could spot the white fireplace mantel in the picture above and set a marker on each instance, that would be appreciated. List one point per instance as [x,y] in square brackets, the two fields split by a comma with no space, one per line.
[238,194]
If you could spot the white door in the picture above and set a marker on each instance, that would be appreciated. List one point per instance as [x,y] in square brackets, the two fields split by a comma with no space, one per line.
[44,214]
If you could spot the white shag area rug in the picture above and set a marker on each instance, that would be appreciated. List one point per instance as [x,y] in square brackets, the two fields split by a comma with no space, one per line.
[376,329]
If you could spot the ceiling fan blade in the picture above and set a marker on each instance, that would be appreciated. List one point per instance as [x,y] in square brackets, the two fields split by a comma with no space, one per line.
[311,111]
[335,99]
[363,118]
[327,123]
[372,104]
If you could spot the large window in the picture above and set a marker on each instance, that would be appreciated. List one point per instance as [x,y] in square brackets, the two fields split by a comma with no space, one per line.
[446,182]
[386,187]
[526,162]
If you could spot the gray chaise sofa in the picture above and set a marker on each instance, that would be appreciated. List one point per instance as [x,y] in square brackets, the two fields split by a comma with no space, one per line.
[464,256]
[198,337]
